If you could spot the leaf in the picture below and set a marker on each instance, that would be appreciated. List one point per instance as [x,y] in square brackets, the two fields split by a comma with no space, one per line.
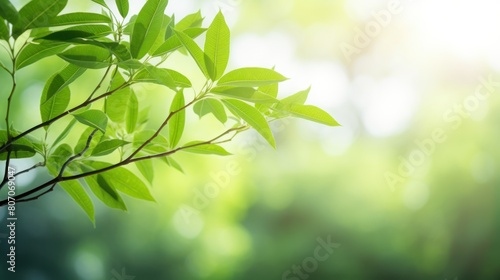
[105,192]
[146,168]
[217,47]
[122,106]
[64,133]
[179,79]
[297,98]
[96,30]
[77,18]
[207,149]
[210,105]
[124,181]
[58,158]
[106,147]
[244,93]
[92,57]
[173,43]
[178,121]
[156,75]
[37,13]
[93,118]
[251,77]
[84,137]
[35,52]
[147,27]
[312,113]
[21,148]
[101,2]
[190,21]
[123,7]
[56,94]
[157,145]
[252,116]
[8,11]
[195,51]
[75,189]
[4,30]
[161,35]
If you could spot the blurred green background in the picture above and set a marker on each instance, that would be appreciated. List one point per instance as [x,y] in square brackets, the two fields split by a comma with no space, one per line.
[399,204]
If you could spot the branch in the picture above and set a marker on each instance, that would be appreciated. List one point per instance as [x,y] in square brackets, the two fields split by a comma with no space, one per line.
[53,182]
[82,105]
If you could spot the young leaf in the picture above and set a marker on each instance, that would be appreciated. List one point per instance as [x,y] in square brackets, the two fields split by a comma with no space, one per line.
[56,94]
[64,133]
[106,147]
[35,52]
[21,148]
[311,113]
[210,105]
[207,149]
[77,18]
[190,21]
[105,192]
[194,50]
[173,163]
[217,47]
[173,43]
[37,13]
[244,93]
[8,11]
[147,27]
[178,121]
[298,98]
[93,118]
[251,77]
[122,106]
[146,168]
[124,181]
[252,116]
[92,57]
[75,189]
[151,74]
[101,2]
[161,35]
[123,7]
[4,30]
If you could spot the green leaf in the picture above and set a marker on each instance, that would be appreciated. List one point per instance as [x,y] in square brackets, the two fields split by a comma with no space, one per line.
[56,94]
[173,42]
[244,93]
[179,79]
[271,89]
[207,149]
[106,147]
[252,116]
[37,13]
[96,30]
[190,21]
[146,168]
[210,105]
[21,148]
[84,137]
[124,181]
[178,121]
[173,163]
[161,35]
[35,52]
[105,192]
[93,118]
[75,189]
[157,145]
[123,7]
[147,27]
[151,74]
[311,113]
[251,77]
[4,30]
[195,51]
[92,57]
[58,158]
[64,133]
[101,2]
[217,47]
[77,18]
[8,11]
[122,106]
[297,98]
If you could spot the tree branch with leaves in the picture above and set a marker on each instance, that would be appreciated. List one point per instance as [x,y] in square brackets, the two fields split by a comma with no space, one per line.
[127,50]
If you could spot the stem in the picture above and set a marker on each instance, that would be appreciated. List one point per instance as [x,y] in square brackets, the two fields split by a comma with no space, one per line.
[53,182]
[6,145]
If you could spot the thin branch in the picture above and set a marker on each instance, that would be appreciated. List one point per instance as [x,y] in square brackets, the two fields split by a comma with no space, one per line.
[100,83]
[82,105]
[53,182]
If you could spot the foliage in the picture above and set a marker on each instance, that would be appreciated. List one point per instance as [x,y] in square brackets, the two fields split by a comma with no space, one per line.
[129,50]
